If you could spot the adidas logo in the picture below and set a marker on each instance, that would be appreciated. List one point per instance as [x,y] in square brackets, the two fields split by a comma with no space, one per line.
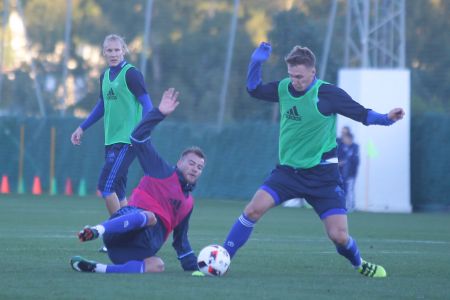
[293,114]
[110,95]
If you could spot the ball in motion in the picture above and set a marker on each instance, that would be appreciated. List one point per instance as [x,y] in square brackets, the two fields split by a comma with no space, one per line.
[213,260]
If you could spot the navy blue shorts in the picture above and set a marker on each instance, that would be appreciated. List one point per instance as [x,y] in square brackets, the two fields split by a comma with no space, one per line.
[321,186]
[134,245]
[113,178]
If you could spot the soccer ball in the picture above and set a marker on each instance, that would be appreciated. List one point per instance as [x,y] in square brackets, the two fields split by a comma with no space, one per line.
[213,260]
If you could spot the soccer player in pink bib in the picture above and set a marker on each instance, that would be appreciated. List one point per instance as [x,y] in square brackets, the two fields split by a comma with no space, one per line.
[161,204]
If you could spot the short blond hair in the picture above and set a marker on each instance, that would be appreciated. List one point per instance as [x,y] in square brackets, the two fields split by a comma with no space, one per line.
[195,150]
[115,37]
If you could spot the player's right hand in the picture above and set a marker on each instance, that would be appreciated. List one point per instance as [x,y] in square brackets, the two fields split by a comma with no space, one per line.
[262,53]
[76,136]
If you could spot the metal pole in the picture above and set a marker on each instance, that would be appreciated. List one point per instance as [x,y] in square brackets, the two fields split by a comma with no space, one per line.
[37,87]
[2,46]
[401,61]
[347,34]
[327,43]
[376,58]
[67,32]
[223,93]
[148,18]
[365,35]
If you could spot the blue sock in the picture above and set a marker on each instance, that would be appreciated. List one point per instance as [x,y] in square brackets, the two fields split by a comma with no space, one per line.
[239,234]
[132,266]
[350,252]
[126,223]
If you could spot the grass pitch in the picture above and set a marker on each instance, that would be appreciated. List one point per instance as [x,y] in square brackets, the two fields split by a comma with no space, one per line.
[287,257]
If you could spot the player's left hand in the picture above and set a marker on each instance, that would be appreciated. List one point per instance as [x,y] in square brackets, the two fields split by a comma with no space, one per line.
[189,263]
[396,114]
[169,101]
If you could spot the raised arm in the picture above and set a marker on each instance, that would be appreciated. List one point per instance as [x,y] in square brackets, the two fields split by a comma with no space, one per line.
[151,162]
[255,87]
[254,74]
[168,104]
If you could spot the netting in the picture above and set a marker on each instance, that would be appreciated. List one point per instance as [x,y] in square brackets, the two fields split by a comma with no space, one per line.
[238,158]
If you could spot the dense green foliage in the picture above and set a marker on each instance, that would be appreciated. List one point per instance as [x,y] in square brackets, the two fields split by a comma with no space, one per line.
[188,43]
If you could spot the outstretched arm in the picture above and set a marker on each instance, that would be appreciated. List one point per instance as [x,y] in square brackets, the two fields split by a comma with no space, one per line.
[151,162]
[255,88]
[260,55]
[168,104]
[374,118]
[334,100]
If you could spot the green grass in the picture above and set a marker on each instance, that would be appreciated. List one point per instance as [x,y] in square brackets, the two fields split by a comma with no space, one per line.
[287,257]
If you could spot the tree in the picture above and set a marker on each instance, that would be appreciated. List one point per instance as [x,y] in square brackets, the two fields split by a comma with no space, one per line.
[428,45]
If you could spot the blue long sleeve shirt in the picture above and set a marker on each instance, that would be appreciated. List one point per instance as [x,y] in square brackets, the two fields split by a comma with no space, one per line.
[155,166]
[135,82]
[332,99]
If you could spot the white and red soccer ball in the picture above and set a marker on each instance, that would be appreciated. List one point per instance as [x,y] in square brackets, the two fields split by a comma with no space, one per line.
[213,260]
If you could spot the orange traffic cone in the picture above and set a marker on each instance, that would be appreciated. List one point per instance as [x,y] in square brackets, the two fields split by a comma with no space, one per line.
[4,189]
[68,191]
[37,189]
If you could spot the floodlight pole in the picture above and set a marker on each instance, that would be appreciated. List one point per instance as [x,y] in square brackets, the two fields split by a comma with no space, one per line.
[327,43]
[2,45]
[148,18]
[37,87]
[68,29]
[229,57]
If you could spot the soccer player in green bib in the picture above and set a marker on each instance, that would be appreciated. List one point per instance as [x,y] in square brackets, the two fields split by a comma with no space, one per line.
[308,164]
[123,102]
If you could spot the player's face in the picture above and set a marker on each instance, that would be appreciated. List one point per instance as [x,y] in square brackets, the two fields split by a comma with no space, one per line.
[344,131]
[301,76]
[113,52]
[191,166]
